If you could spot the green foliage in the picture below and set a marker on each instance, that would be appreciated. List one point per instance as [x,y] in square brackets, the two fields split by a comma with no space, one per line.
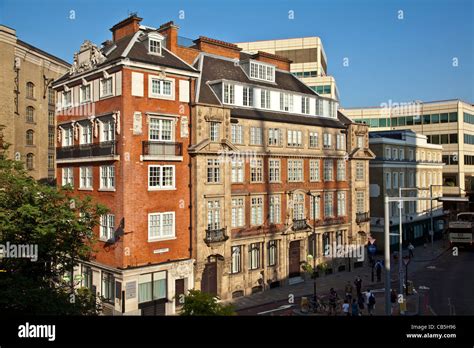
[61,226]
[199,303]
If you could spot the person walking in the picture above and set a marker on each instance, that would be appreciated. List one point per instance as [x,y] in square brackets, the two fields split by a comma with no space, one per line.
[355,308]
[378,269]
[370,303]
[332,301]
[358,284]
[345,308]
[410,250]
[360,302]
[348,290]
[393,298]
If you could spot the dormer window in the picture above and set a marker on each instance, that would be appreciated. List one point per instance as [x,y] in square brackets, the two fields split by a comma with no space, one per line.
[260,71]
[154,46]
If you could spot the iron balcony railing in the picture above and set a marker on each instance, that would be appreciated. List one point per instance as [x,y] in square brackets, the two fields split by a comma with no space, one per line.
[162,148]
[362,217]
[106,148]
[299,224]
[215,235]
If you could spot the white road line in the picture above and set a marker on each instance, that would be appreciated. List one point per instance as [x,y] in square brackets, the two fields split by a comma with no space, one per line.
[431,310]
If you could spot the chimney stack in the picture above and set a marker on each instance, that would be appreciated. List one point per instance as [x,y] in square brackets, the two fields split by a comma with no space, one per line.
[128,26]
[279,61]
[221,48]
[170,30]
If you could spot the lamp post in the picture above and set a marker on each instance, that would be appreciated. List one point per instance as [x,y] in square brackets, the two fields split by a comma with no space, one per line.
[314,242]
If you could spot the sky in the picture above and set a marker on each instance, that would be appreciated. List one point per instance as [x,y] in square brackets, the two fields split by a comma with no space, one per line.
[378,51]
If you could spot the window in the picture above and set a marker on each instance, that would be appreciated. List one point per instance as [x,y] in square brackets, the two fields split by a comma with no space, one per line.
[50,161]
[236,266]
[275,210]
[161,177]
[395,180]
[108,130]
[328,170]
[238,212]
[161,87]
[256,170]
[106,87]
[86,277]
[107,177]
[29,137]
[256,216]
[68,177]
[298,206]
[295,170]
[237,133]
[328,204]
[327,140]
[247,96]
[274,137]
[229,93]
[67,136]
[339,238]
[154,46]
[152,286]
[360,171]
[256,136]
[262,71]
[319,107]
[314,207]
[67,99]
[86,133]
[341,142]
[341,204]
[265,99]
[410,155]
[388,153]
[286,102]
[313,139]
[214,128]
[388,181]
[161,226]
[30,114]
[160,129]
[30,161]
[107,226]
[213,171]
[360,202]
[254,256]
[394,154]
[326,243]
[85,174]
[401,179]
[274,170]
[213,215]
[108,286]
[294,138]
[237,170]
[304,105]
[30,90]
[401,154]
[272,253]
[314,170]
[312,247]
[51,138]
[51,96]
[85,93]
[341,170]
[51,118]
[360,141]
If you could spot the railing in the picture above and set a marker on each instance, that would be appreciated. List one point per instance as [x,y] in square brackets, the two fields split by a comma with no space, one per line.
[362,217]
[299,224]
[215,236]
[162,148]
[106,148]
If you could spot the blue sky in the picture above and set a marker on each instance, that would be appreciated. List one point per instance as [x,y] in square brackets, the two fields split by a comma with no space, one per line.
[389,58]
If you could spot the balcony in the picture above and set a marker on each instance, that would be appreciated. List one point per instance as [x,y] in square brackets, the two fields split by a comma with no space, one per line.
[215,236]
[102,151]
[299,224]
[362,217]
[162,150]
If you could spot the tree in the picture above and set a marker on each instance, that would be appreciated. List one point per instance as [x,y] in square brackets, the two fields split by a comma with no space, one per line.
[199,303]
[60,227]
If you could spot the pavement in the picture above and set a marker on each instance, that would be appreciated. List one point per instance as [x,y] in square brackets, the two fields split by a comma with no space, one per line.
[290,296]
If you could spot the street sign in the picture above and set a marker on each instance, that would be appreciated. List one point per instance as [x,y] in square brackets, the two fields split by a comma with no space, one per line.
[372,248]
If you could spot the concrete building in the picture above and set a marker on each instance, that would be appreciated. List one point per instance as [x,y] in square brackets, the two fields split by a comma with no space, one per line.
[449,123]
[308,61]
[123,138]
[27,103]
[405,160]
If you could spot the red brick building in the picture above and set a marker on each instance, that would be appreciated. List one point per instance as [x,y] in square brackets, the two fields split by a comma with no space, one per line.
[123,135]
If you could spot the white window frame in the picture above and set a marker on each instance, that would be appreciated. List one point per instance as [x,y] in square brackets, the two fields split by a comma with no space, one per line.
[238,170]
[160,170]
[152,41]
[256,210]
[305,102]
[328,170]
[112,87]
[327,141]
[295,170]
[214,131]
[67,102]
[228,93]
[274,206]
[314,170]
[213,167]
[68,176]
[161,83]
[238,212]
[274,137]
[85,177]
[328,204]
[107,227]
[160,235]
[256,170]
[274,170]
[265,101]
[341,170]
[341,203]
[86,137]
[107,177]
[68,136]
[247,96]
[237,135]
[158,127]
[256,136]
[84,88]
[286,102]
[263,72]
[313,140]
[360,171]
[107,134]
[294,138]
[236,254]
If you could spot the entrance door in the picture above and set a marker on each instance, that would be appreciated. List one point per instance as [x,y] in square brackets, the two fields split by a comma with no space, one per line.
[209,278]
[294,259]
[179,291]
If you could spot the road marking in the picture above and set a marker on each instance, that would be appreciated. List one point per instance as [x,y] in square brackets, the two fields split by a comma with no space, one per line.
[276,309]
[431,310]
[431,267]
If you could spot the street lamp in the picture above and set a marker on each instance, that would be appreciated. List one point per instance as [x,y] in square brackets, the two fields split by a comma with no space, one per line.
[314,242]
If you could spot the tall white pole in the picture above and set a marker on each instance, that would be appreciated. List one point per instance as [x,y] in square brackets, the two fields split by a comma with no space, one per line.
[431,216]
[387,256]
[400,246]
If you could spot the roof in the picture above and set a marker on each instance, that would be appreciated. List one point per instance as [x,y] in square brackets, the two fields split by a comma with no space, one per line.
[343,118]
[36,49]
[218,68]
[392,134]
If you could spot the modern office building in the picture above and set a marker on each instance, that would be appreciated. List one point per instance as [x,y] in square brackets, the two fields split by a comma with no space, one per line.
[27,103]
[308,61]
[405,164]
[449,123]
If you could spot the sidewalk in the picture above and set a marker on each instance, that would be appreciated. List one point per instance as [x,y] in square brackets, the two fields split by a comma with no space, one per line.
[422,256]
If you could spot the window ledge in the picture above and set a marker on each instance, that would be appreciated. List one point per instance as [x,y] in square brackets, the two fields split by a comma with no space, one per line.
[86,189]
[161,239]
[106,189]
[151,189]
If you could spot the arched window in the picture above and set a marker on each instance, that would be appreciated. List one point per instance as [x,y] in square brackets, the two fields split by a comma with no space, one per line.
[30,90]
[30,114]
[29,137]
[30,161]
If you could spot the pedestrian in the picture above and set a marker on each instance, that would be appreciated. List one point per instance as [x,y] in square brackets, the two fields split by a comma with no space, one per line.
[371,303]
[360,302]
[393,298]
[410,250]
[358,284]
[348,290]
[378,268]
[355,308]
[332,301]
[345,308]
